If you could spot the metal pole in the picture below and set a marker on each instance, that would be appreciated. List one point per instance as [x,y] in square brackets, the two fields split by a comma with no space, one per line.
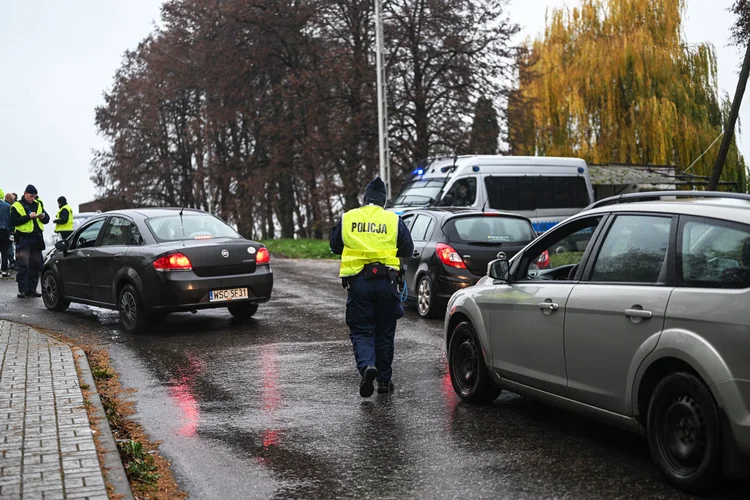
[385,170]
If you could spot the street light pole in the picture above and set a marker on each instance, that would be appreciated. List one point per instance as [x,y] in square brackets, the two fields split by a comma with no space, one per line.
[383,150]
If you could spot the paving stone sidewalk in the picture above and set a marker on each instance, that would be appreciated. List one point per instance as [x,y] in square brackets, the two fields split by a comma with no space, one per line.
[47,448]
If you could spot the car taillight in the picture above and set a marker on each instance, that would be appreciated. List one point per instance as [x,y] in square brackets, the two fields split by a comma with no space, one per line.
[449,256]
[173,262]
[263,257]
[543,260]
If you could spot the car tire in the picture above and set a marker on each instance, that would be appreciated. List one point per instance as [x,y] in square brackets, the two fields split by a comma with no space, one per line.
[469,374]
[684,432]
[243,312]
[52,293]
[427,306]
[132,315]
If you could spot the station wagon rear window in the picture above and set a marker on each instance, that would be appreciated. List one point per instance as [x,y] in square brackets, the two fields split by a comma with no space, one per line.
[535,192]
[191,227]
[488,229]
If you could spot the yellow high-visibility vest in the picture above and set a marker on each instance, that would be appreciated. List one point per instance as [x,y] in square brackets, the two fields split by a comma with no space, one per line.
[28,227]
[370,235]
[65,226]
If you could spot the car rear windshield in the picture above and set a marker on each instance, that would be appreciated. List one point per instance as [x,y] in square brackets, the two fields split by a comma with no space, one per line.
[419,193]
[191,227]
[535,192]
[488,229]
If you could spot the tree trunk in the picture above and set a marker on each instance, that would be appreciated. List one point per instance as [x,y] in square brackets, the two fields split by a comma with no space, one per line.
[729,132]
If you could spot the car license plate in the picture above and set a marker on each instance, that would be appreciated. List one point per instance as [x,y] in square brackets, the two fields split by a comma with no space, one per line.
[230,294]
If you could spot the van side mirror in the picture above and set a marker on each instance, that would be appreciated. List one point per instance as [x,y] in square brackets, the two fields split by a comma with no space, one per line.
[499,269]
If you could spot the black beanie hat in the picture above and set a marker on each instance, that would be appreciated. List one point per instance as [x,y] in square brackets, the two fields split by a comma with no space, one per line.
[375,192]
[31,189]
[62,200]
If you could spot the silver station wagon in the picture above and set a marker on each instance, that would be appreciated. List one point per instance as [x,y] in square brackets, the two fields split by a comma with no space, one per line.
[642,320]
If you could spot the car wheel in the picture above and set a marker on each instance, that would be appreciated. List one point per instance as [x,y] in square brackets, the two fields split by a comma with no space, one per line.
[52,293]
[243,312]
[684,433]
[469,374]
[426,304]
[132,315]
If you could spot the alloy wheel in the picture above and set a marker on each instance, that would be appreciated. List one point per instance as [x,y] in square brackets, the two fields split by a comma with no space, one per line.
[423,297]
[128,308]
[49,290]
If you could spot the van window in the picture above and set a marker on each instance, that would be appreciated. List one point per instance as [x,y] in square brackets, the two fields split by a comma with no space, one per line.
[533,192]
[419,192]
[463,193]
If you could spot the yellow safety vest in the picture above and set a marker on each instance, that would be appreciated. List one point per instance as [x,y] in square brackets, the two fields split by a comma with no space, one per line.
[66,226]
[28,227]
[370,235]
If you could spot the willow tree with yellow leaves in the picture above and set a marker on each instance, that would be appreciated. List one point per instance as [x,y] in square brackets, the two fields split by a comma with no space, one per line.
[613,81]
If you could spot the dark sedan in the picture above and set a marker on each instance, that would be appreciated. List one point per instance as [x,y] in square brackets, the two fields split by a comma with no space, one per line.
[151,261]
[452,248]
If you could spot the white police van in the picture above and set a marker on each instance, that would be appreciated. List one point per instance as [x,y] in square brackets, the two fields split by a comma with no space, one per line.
[545,189]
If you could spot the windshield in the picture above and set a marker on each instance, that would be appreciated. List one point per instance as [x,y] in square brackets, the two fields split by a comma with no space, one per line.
[193,227]
[489,229]
[419,192]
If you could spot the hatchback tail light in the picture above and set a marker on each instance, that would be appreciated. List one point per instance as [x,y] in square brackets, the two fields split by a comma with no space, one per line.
[543,261]
[448,256]
[173,262]
[263,257]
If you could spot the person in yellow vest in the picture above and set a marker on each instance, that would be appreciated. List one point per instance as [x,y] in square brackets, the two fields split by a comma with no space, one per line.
[64,218]
[370,241]
[28,217]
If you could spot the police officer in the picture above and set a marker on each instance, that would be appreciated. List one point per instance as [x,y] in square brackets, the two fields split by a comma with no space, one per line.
[64,218]
[370,241]
[28,217]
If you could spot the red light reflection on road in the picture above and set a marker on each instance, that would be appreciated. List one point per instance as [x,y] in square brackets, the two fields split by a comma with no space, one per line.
[270,396]
[182,390]
[451,400]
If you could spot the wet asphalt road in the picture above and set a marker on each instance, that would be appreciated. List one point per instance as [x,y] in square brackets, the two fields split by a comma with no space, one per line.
[270,409]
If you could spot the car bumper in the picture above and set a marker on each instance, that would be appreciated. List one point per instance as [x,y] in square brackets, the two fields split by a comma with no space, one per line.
[184,291]
[449,284]
[733,396]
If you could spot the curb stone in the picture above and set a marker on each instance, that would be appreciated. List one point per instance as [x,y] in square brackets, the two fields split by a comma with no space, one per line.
[116,475]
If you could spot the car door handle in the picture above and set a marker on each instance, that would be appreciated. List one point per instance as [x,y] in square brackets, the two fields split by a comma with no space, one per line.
[85,256]
[549,306]
[118,256]
[638,313]
[416,254]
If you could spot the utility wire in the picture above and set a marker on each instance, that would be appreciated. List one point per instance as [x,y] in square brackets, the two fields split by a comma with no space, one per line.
[698,159]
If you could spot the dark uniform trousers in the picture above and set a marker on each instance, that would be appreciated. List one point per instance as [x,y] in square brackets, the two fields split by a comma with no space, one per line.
[64,234]
[371,313]
[29,263]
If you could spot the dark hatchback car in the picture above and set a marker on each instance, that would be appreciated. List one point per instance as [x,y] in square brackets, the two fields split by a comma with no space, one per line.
[452,248]
[151,261]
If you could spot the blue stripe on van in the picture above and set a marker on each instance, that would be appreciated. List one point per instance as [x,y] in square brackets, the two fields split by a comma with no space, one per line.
[543,227]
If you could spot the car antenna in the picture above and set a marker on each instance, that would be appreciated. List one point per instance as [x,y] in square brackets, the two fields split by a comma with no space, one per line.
[484,206]
[182,224]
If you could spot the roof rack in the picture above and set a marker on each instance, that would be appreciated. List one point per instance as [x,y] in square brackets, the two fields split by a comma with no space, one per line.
[649,195]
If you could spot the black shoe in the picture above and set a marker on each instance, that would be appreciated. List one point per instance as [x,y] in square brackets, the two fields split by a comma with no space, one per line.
[385,387]
[21,295]
[34,294]
[366,387]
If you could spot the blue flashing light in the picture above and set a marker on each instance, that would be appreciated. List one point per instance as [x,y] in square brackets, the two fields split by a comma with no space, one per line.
[419,171]
[580,170]
[475,168]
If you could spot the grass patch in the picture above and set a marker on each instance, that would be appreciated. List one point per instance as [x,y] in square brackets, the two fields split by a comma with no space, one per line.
[300,248]
[101,373]
[139,465]
[565,258]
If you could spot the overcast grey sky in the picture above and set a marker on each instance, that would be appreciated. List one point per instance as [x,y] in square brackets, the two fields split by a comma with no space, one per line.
[57,57]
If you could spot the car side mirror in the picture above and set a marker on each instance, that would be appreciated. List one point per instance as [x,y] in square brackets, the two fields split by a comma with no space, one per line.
[62,245]
[499,269]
